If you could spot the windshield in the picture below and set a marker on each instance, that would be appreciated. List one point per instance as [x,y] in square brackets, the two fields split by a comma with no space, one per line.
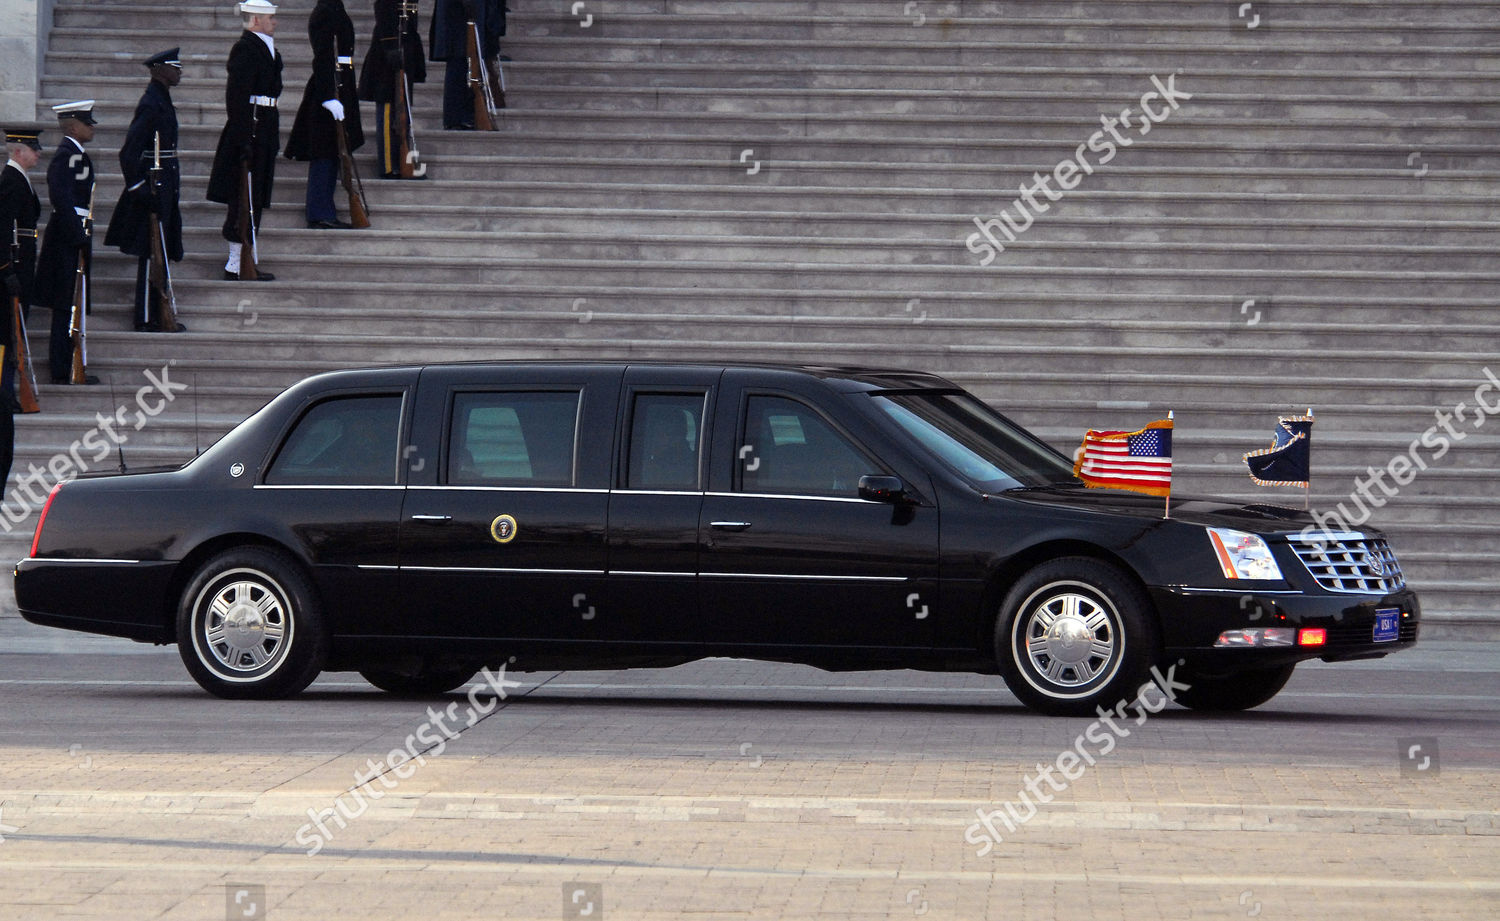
[982,446]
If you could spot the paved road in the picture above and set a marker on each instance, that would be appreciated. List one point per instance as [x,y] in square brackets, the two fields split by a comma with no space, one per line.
[733,789]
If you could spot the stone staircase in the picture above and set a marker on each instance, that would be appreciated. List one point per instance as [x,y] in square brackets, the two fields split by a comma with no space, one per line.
[795,180]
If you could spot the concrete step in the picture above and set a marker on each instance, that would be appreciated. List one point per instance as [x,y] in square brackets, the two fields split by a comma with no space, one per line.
[900,281]
[1107,81]
[1084,103]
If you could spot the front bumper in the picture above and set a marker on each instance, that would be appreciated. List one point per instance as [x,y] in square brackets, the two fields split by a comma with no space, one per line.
[1192,620]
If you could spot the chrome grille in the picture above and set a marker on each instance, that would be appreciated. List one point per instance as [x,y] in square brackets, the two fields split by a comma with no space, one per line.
[1343,561]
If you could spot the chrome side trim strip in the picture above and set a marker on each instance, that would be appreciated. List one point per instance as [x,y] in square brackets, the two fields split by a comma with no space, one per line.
[765,575]
[313,486]
[505,569]
[90,562]
[563,489]
[760,495]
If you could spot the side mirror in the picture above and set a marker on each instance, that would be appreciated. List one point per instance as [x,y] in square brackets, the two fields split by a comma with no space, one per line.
[888,489]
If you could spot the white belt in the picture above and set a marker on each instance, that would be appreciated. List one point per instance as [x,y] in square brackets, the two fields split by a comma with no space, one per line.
[268,102]
[346,60]
[82,212]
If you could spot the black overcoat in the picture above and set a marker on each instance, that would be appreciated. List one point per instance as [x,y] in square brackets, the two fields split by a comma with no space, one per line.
[70,186]
[251,132]
[130,227]
[377,79]
[313,136]
[19,206]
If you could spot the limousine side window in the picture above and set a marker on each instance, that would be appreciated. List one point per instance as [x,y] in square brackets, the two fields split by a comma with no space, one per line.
[790,449]
[345,441]
[666,433]
[521,438]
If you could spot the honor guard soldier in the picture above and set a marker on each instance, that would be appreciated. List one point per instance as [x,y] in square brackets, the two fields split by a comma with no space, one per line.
[153,184]
[448,42]
[329,101]
[395,48]
[19,210]
[65,266]
[245,161]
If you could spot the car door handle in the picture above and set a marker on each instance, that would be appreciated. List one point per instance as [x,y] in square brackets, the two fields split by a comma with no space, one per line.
[432,519]
[730,525]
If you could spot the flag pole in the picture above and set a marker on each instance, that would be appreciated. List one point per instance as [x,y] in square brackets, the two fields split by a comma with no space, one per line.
[1307,490]
[1168,512]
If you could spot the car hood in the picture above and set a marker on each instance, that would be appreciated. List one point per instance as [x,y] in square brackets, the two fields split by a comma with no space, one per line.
[1209,511]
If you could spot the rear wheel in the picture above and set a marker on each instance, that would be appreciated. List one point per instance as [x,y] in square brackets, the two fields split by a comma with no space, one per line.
[422,682]
[1238,691]
[1075,634]
[248,626]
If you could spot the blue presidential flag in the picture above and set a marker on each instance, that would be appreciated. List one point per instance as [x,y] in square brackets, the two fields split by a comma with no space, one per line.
[1288,461]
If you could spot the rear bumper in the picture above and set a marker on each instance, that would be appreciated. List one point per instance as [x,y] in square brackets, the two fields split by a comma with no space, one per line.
[113,597]
[1192,620]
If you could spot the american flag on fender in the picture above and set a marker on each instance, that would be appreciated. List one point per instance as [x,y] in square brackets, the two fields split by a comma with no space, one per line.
[1138,461]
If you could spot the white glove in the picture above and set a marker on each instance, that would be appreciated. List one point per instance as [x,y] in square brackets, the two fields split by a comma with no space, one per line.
[335,108]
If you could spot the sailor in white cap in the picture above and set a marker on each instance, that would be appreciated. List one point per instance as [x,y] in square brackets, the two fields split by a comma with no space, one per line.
[252,135]
[70,188]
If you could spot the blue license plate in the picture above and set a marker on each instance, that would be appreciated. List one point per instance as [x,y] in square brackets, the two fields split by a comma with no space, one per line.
[1387,625]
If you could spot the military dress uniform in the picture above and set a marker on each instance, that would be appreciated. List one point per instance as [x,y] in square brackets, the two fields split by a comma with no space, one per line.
[19,210]
[314,134]
[448,41]
[69,238]
[148,192]
[251,135]
[396,44]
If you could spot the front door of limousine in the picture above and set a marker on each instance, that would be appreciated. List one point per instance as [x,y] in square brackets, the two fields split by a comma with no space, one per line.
[503,531]
[792,557]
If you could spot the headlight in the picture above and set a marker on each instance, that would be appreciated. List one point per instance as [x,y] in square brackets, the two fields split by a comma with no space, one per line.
[1243,556]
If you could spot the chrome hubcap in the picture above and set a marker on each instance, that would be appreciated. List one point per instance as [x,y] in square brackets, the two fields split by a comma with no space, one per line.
[1070,639]
[244,626]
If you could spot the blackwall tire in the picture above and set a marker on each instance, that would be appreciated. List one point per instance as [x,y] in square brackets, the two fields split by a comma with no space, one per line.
[1075,634]
[422,683]
[1228,693]
[249,626]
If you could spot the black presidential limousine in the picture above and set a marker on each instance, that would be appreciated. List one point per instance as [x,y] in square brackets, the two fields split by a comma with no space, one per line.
[416,524]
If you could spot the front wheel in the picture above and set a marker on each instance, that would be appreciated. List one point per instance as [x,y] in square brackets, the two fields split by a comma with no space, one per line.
[1237,691]
[249,626]
[1075,634]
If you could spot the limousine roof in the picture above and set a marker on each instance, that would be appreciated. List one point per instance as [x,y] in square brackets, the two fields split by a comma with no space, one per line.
[856,377]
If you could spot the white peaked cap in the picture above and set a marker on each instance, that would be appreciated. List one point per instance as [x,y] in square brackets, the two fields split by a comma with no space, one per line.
[256,8]
[67,108]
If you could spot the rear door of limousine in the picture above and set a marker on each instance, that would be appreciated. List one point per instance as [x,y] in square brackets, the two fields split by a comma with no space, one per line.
[503,532]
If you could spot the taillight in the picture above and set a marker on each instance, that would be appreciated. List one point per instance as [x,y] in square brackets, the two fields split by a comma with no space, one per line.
[37,537]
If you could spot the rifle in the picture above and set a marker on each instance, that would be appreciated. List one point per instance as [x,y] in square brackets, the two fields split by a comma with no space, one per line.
[81,299]
[479,82]
[359,216]
[409,154]
[20,346]
[21,358]
[161,271]
[248,260]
